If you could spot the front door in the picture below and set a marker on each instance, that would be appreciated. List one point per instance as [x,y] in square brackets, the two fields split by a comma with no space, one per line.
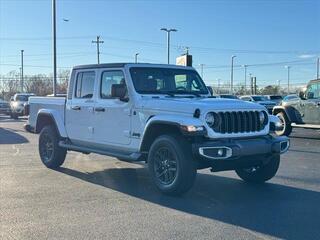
[111,115]
[79,110]
[312,104]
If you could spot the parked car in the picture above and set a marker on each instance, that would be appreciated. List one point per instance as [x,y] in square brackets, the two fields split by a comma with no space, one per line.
[27,104]
[230,96]
[277,99]
[301,112]
[4,107]
[17,104]
[262,100]
[160,114]
[290,97]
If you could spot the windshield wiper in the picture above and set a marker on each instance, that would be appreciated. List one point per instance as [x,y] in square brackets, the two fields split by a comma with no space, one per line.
[171,94]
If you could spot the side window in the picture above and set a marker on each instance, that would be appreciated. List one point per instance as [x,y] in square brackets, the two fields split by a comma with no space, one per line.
[108,78]
[182,82]
[313,91]
[85,85]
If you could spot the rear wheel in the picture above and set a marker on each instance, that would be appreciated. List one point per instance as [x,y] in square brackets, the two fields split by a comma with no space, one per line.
[171,165]
[14,115]
[286,125]
[52,156]
[260,173]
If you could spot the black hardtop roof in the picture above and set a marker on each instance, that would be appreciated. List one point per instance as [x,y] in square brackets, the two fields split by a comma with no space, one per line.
[103,65]
[119,65]
[315,80]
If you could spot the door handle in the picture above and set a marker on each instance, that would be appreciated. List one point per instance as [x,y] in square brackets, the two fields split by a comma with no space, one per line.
[77,108]
[99,109]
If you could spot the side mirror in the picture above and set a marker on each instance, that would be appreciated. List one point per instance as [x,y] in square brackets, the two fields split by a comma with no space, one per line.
[310,95]
[119,91]
[302,95]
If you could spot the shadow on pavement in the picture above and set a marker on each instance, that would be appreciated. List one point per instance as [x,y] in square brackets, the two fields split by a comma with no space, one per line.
[276,210]
[11,137]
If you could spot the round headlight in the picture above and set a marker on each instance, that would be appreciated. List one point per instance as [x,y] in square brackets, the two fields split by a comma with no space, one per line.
[262,117]
[210,119]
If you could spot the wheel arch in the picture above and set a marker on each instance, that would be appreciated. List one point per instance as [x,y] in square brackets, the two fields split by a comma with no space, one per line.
[45,118]
[291,113]
[167,124]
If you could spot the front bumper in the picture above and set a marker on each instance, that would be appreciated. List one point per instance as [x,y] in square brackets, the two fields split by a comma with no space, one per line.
[228,154]
[5,110]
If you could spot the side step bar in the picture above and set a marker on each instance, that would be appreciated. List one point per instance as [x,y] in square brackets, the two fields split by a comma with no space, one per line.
[311,126]
[132,157]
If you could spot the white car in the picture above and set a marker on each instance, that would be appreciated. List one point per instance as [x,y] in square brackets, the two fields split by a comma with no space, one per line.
[160,114]
[262,100]
[17,104]
[4,107]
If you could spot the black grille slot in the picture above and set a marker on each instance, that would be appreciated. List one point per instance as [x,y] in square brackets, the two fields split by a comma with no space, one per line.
[238,122]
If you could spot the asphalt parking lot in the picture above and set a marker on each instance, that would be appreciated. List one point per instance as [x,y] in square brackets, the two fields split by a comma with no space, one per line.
[97,197]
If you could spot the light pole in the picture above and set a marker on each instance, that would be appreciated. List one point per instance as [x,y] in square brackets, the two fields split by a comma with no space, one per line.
[54,46]
[245,77]
[318,63]
[136,57]
[231,78]
[288,67]
[21,80]
[98,48]
[201,66]
[168,40]
[218,80]
[278,86]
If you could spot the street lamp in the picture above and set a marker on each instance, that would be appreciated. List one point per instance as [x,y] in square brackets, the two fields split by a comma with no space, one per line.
[245,77]
[218,80]
[54,46]
[288,67]
[201,66]
[136,57]
[279,81]
[231,79]
[168,40]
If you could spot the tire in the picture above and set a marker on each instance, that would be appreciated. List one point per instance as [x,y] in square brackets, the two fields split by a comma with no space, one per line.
[52,156]
[287,129]
[14,115]
[262,173]
[170,164]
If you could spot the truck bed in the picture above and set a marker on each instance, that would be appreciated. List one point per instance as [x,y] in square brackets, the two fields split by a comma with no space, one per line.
[38,103]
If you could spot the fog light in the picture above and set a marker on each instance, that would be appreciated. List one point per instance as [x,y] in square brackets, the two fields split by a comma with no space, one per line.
[220,152]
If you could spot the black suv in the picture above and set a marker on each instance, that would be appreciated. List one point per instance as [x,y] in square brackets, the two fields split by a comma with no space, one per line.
[302,112]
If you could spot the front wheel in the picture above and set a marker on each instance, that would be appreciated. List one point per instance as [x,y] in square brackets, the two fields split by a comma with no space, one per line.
[171,165]
[260,173]
[286,125]
[51,154]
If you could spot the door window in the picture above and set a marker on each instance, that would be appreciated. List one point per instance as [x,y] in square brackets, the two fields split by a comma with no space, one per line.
[85,85]
[313,91]
[107,80]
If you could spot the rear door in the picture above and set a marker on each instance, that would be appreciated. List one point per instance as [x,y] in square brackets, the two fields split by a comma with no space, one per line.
[312,104]
[111,116]
[79,110]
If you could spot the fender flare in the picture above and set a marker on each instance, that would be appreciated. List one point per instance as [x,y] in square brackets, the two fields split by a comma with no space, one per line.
[292,114]
[55,117]
[169,120]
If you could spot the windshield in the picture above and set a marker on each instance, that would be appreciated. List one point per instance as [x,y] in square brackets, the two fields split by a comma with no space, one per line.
[22,98]
[167,80]
[275,97]
[229,96]
[259,98]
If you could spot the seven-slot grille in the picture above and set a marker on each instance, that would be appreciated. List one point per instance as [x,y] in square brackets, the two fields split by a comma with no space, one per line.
[238,122]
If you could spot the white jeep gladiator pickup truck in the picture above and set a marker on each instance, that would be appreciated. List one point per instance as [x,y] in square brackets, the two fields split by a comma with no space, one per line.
[160,114]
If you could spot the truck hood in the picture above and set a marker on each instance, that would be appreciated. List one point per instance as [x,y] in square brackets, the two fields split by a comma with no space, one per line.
[266,102]
[188,105]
